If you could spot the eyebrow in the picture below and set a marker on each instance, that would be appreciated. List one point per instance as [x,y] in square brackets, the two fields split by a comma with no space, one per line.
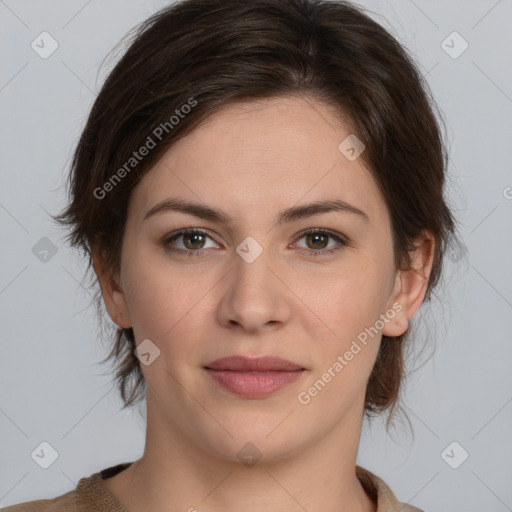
[288,215]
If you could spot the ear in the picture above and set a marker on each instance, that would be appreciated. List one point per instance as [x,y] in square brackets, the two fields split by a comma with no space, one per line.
[411,285]
[113,296]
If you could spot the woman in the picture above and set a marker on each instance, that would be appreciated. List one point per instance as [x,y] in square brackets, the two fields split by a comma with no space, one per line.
[259,189]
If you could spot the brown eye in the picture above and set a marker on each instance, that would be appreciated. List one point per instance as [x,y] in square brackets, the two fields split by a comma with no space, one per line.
[193,240]
[318,240]
[189,241]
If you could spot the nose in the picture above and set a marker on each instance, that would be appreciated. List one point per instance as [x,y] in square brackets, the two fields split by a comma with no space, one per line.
[255,296]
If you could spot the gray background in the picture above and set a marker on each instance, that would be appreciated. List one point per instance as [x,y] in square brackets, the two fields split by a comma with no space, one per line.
[53,389]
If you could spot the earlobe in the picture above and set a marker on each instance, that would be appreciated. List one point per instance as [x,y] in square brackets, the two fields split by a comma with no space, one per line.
[411,285]
[113,296]
[399,323]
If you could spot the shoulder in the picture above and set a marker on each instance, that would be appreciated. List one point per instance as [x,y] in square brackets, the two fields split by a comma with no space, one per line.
[381,493]
[66,502]
[90,495]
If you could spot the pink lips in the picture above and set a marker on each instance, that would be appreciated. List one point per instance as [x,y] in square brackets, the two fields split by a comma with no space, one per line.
[254,377]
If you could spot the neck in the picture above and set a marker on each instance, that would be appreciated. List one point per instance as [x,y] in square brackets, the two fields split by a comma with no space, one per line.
[175,474]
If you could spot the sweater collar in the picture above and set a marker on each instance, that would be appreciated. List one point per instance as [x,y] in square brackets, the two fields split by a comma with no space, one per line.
[92,490]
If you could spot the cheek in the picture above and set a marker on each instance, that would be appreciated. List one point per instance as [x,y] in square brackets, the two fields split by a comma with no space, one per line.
[350,299]
[157,296]
[345,357]
[349,304]
[164,305]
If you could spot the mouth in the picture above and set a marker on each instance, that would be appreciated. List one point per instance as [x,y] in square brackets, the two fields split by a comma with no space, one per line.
[254,377]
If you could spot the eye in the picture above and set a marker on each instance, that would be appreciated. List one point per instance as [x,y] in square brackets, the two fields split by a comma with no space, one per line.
[193,241]
[319,239]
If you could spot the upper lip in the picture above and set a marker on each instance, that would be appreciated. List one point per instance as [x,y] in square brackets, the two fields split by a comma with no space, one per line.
[248,364]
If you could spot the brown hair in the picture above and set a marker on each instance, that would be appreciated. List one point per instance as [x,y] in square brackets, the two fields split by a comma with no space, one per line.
[204,54]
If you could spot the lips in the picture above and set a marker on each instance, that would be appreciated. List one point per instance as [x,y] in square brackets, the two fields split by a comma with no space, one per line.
[260,364]
[254,377]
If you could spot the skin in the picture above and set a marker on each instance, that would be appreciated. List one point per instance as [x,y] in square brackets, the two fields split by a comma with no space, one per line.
[252,160]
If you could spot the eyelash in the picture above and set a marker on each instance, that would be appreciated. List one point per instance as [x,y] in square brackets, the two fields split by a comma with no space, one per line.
[193,231]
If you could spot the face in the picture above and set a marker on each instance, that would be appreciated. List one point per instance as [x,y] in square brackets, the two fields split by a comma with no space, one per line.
[253,282]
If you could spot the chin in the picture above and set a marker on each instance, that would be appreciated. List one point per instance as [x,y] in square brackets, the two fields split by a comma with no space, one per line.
[249,453]
[253,444]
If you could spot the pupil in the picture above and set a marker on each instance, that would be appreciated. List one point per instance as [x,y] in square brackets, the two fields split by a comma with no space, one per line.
[316,237]
[195,236]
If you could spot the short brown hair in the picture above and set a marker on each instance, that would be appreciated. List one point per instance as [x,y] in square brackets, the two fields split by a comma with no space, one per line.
[208,53]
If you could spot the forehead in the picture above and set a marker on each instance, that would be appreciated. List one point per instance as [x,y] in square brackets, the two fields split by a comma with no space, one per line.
[262,155]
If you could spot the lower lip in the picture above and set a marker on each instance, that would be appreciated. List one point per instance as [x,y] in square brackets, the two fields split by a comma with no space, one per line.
[254,384]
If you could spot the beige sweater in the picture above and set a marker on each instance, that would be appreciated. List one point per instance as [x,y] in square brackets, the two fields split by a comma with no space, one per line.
[92,495]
